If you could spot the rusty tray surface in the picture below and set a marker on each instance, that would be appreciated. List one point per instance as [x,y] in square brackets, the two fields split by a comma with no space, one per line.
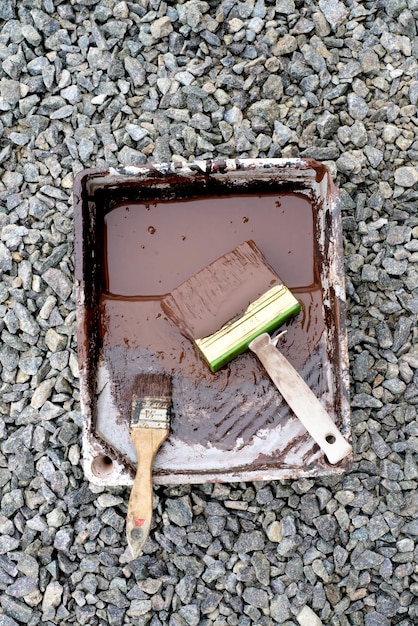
[140,232]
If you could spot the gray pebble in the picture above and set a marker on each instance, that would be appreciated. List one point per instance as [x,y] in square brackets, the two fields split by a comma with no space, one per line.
[369,61]
[369,273]
[129,156]
[22,587]
[15,609]
[374,155]
[280,609]
[57,280]
[63,112]
[161,27]
[20,139]
[396,43]
[373,618]
[136,132]
[136,71]
[261,567]
[327,124]
[406,176]
[266,109]
[358,134]
[85,149]
[11,502]
[115,597]
[210,602]
[186,588]
[42,393]
[190,565]
[7,10]
[394,267]
[214,572]
[378,527]
[321,153]
[286,7]
[115,615]
[357,106]
[250,542]
[31,172]
[273,87]
[12,234]
[8,544]
[190,614]
[25,320]
[334,11]
[5,620]
[326,526]
[233,116]
[401,333]
[63,539]
[366,559]
[5,258]
[282,135]
[256,597]
[10,91]
[313,58]
[112,518]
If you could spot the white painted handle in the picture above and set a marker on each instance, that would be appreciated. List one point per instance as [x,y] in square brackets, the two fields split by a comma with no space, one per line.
[301,399]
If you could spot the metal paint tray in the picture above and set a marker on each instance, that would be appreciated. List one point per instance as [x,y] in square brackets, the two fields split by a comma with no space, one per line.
[140,232]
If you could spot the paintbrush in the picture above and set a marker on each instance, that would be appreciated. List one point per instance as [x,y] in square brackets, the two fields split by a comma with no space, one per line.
[233,304]
[150,424]
[229,303]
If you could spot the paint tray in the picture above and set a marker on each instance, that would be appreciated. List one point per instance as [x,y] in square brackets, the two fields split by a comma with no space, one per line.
[140,232]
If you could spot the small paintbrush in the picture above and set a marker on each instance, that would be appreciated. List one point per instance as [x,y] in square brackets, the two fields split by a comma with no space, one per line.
[150,425]
[233,304]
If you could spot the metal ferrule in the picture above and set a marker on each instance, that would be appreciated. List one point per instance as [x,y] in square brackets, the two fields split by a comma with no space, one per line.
[151,412]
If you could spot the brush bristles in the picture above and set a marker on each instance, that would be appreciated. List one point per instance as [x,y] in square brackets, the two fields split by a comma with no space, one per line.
[152,386]
[151,401]
[221,292]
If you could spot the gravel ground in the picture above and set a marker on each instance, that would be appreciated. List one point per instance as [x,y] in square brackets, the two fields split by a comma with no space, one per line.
[95,82]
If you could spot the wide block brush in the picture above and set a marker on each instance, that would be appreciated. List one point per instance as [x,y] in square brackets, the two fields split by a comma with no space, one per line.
[150,426]
[233,304]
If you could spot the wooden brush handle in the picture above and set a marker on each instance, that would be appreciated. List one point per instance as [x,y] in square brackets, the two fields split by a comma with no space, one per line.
[301,399]
[147,442]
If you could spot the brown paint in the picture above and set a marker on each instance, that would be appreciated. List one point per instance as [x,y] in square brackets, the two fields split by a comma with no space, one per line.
[140,266]
[153,247]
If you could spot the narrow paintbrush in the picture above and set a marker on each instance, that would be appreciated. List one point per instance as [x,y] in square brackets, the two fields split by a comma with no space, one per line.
[150,424]
[232,305]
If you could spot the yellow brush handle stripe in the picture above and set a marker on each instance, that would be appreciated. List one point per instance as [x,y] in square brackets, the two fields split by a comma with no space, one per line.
[147,442]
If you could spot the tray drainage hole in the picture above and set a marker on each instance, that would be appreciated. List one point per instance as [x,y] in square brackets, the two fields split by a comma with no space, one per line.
[330,439]
[102,466]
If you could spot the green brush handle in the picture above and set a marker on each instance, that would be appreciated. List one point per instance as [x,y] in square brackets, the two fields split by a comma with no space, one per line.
[301,399]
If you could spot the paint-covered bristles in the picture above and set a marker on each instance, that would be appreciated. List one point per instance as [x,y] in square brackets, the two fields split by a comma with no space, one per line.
[152,385]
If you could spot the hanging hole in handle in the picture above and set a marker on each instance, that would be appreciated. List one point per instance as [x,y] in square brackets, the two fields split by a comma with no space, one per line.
[102,466]
[330,439]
